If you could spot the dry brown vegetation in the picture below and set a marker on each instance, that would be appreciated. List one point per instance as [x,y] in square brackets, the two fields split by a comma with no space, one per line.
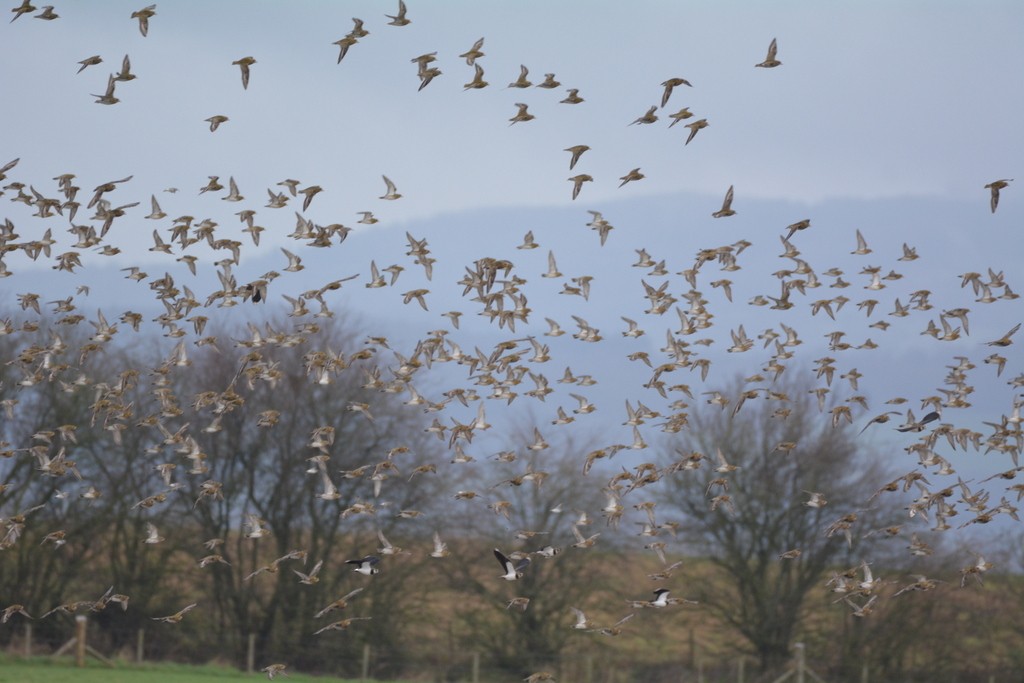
[429,616]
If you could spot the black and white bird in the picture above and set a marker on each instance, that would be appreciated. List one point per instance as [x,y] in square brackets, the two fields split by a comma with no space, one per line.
[661,598]
[548,551]
[366,566]
[513,570]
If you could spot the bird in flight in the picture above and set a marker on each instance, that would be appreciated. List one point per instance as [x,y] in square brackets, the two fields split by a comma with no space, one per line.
[478,81]
[215,121]
[669,85]
[770,61]
[648,117]
[24,8]
[143,16]
[340,603]
[995,186]
[392,191]
[312,577]
[635,174]
[474,53]
[274,669]
[1005,339]
[522,81]
[576,151]
[680,115]
[694,127]
[244,63]
[427,75]
[577,181]
[522,114]
[90,61]
[799,225]
[726,209]
[177,616]
[513,570]
[344,44]
[367,566]
[340,625]
[125,74]
[399,19]
[108,96]
[572,98]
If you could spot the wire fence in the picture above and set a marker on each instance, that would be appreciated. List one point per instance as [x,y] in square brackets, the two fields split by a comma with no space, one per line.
[77,643]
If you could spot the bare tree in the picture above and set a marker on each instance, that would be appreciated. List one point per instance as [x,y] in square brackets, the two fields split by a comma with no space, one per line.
[532,505]
[298,477]
[776,503]
[152,454]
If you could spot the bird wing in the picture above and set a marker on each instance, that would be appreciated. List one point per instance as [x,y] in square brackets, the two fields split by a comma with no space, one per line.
[505,563]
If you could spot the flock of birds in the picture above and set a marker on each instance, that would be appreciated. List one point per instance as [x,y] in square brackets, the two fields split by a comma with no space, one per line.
[499,292]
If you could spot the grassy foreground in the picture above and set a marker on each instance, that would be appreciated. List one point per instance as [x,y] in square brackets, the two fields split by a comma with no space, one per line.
[45,670]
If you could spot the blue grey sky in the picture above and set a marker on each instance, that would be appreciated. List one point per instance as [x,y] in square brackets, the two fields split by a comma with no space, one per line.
[874,99]
[888,117]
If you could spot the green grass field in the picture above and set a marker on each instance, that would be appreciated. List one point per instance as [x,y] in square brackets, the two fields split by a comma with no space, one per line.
[44,670]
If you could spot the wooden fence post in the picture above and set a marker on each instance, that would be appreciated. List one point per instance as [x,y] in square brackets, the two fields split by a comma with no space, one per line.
[80,621]
[250,655]
[800,663]
[476,667]
[741,669]
[140,644]
[28,640]
[364,671]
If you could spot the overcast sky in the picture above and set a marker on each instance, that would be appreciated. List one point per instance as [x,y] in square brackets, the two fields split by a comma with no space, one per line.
[873,99]
[911,102]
